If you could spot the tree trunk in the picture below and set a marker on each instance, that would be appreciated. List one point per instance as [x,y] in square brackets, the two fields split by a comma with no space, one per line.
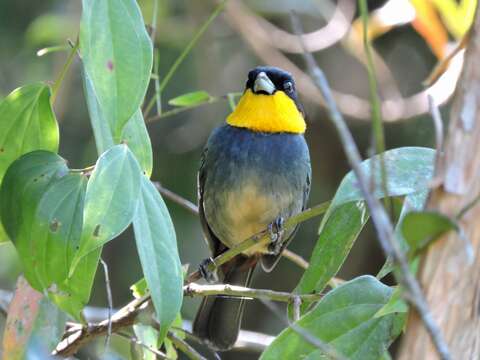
[451,283]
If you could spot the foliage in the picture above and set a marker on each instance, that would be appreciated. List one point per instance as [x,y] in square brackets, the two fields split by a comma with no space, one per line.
[59,218]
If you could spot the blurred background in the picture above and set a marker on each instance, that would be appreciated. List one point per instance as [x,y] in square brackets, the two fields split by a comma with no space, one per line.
[407,47]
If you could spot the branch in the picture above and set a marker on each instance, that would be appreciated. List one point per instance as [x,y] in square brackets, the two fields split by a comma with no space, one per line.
[261,238]
[126,316]
[379,216]
[194,289]
[245,23]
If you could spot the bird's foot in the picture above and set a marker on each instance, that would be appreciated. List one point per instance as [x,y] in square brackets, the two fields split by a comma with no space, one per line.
[208,275]
[276,234]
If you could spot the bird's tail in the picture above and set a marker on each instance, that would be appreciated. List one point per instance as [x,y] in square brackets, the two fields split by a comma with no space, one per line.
[219,318]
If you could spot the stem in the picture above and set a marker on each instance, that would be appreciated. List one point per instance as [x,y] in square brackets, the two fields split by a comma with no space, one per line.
[185,348]
[184,54]
[194,289]
[61,76]
[261,238]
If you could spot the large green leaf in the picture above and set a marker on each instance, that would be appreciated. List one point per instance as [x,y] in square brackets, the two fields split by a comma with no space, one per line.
[345,320]
[111,199]
[157,249]
[22,188]
[28,123]
[419,228]
[117,55]
[408,171]
[57,230]
[135,135]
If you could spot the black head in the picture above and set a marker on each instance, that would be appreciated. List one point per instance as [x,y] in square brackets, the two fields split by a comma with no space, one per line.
[267,80]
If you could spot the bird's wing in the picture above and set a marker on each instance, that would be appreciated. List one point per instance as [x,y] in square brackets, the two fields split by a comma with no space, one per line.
[270,261]
[216,247]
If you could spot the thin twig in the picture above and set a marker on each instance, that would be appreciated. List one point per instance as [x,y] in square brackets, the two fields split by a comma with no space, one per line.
[184,53]
[194,289]
[297,302]
[63,72]
[295,258]
[185,348]
[437,123]
[379,216]
[186,204]
[127,315]
[110,302]
[261,238]
[136,341]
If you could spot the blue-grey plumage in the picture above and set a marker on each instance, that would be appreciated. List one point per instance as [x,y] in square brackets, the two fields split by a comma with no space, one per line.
[249,179]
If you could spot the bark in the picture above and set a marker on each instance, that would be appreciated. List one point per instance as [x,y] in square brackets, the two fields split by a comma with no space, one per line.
[450,281]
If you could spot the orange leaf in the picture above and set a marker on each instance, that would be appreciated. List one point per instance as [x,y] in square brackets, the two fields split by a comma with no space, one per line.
[33,324]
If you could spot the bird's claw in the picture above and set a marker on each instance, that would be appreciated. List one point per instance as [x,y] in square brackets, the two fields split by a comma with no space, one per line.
[208,275]
[276,231]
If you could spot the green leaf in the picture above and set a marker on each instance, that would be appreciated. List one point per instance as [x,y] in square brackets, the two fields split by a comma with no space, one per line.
[22,188]
[111,199]
[117,55]
[344,319]
[58,226]
[139,289]
[57,230]
[148,336]
[191,99]
[72,294]
[41,205]
[420,228]
[395,305]
[135,135]
[408,171]
[415,201]
[28,123]
[101,128]
[157,249]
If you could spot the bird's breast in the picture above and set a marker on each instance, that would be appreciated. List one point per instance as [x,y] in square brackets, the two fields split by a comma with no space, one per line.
[251,180]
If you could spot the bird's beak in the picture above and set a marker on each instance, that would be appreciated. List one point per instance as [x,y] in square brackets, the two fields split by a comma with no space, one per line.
[263,84]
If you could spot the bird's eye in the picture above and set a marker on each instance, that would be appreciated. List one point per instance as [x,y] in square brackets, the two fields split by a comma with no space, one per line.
[288,86]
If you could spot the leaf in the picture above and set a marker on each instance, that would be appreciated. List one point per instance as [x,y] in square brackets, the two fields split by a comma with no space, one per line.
[117,55]
[148,336]
[22,188]
[396,304]
[73,293]
[139,289]
[191,99]
[344,319]
[34,325]
[157,249]
[420,228]
[28,123]
[101,128]
[408,171]
[111,199]
[415,201]
[135,135]
[57,227]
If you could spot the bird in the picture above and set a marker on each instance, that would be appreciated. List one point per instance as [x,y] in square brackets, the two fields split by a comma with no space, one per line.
[254,173]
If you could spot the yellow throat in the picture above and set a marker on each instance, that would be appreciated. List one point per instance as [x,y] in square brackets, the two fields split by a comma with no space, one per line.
[267,113]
